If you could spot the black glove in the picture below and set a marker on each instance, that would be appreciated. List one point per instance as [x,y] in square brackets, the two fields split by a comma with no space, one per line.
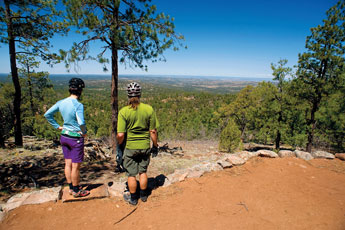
[154,151]
[119,155]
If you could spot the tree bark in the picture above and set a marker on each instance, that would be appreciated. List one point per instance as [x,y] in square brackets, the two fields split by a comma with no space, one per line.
[114,98]
[14,72]
[311,127]
[114,80]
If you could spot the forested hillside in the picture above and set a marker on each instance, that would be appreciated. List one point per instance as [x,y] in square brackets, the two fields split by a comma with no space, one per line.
[254,114]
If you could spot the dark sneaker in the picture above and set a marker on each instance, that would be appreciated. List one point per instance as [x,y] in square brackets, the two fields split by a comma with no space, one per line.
[143,198]
[127,197]
[143,195]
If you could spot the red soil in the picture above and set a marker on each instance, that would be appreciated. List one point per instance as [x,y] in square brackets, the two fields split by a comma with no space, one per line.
[262,194]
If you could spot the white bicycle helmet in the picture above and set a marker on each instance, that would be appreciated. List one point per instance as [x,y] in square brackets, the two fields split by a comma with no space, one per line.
[134,89]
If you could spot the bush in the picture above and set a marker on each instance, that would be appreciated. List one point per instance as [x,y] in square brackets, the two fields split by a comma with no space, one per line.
[230,137]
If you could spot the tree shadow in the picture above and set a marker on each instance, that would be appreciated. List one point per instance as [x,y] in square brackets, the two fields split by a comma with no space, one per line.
[21,174]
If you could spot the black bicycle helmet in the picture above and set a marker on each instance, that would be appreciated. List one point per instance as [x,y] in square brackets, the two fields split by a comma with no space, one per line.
[134,89]
[76,83]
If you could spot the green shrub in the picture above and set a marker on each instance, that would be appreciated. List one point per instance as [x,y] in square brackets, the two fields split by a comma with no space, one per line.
[230,137]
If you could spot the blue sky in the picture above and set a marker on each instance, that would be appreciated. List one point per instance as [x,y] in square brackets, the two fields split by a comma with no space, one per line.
[224,38]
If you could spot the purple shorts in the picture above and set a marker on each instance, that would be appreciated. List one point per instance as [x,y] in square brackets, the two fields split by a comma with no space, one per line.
[73,148]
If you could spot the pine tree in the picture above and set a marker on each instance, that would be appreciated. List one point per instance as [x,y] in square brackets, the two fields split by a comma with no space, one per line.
[280,72]
[26,27]
[130,26]
[320,66]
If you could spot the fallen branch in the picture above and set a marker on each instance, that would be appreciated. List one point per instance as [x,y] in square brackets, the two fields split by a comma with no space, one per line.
[126,216]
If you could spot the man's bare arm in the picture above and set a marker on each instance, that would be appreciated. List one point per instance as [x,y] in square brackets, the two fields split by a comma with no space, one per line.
[154,137]
[120,137]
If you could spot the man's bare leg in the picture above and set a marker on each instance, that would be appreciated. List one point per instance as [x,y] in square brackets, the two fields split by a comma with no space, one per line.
[143,181]
[132,184]
[143,186]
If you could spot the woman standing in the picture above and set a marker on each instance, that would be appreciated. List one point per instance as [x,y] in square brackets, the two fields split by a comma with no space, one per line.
[73,132]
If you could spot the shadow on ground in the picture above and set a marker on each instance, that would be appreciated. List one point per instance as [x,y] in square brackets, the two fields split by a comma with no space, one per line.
[21,174]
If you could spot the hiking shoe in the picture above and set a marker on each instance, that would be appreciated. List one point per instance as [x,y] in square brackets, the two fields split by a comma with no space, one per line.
[143,195]
[143,198]
[127,197]
[71,190]
[81,193]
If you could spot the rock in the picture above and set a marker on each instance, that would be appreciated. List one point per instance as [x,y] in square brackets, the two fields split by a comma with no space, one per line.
[195,174]
[340,156]
[2,216]
[235,160]
[207,167]
[178,175]
[303,155]
[35,197]
[117,189]
[286,153]
[246,155]
[322,154]
[183,177]
[44,195]
[15,201]
[224,164]
[267,153]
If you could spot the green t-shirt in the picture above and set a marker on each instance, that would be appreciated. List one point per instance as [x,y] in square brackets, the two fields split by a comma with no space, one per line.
[137,124]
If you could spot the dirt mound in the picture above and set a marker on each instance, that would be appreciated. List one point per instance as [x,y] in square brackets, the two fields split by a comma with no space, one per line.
[280,193]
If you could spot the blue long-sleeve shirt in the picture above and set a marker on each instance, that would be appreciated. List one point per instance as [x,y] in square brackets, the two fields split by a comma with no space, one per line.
[72,112]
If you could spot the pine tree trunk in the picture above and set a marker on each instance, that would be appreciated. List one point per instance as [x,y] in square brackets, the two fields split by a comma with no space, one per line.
[114,81]
[277,141]
[311,127]
[114,98]
[30,91]
[278,136]
[15,79]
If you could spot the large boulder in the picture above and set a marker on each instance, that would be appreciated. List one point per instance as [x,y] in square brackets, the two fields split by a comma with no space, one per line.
[303,155]
[322,154]
[267,153]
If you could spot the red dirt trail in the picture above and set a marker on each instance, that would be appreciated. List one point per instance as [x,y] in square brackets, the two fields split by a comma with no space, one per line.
[264,193]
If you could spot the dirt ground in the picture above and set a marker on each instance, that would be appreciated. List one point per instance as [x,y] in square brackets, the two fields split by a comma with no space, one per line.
[264,193]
